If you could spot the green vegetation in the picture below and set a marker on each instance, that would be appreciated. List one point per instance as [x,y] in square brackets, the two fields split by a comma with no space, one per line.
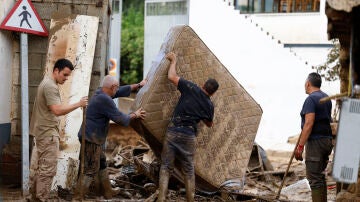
[331,68]
[132,41]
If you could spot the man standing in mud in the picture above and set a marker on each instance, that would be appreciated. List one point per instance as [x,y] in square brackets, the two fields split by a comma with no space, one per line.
[44,126]
[194,105]
[316,134]
[100,111]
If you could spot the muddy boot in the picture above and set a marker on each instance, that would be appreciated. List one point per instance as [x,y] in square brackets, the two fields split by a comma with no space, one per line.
[109,192]
[319,194]
[324,193]
[190,188]
[84,185]
[32,190]
[163,185]
[97,185]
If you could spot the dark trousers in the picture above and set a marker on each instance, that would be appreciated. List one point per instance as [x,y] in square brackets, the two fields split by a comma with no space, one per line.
[179,146]
[95,159]
[316,160]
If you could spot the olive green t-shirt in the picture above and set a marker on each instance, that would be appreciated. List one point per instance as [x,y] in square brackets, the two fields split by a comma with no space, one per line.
[43,122]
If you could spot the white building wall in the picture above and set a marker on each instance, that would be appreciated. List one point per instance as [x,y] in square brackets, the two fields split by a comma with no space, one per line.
[298,28]
[314,56]
[5,75]
[5,64]
[115,41]
[272,74]
[156,29]
[304,28]
[115,37]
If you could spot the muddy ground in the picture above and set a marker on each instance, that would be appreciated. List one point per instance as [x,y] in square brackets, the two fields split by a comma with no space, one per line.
[139,182]
[258,185]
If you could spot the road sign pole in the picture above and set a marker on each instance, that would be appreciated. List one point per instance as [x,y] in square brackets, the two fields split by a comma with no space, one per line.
[24,18]
[24,112]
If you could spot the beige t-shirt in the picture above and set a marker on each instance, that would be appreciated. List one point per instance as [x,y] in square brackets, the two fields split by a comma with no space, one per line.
[43,122]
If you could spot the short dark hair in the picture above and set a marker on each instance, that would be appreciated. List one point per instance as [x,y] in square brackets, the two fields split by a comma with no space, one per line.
[314,79]
[60,64]
[211,86]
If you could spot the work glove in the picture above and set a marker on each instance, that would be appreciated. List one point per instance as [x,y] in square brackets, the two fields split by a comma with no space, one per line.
[298,152]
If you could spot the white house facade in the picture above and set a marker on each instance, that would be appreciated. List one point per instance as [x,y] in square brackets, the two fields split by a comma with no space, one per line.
[5,76]
[270,50]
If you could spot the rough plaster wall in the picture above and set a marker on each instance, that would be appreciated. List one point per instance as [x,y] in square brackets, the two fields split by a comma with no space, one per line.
[38,50]
[5,65]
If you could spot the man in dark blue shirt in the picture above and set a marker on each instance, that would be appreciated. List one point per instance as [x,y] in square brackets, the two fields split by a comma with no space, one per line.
[317,135]
[193,106]
[100,111]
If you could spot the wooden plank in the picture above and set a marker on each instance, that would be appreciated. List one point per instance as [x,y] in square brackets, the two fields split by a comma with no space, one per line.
[74,38]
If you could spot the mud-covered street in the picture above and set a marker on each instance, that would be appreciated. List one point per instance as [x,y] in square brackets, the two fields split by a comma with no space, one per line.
[137,176]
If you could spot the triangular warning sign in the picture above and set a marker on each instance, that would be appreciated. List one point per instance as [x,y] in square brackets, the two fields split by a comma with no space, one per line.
[24,18]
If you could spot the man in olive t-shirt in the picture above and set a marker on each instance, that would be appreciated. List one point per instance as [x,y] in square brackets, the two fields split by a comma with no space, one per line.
[44,126]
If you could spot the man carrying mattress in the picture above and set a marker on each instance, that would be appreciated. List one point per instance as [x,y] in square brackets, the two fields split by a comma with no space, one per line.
[194,105]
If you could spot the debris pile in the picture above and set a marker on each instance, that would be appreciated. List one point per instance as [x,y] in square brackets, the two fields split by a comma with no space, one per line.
[135,170]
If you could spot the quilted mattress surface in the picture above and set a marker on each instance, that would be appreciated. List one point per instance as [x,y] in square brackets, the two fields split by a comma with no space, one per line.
[222,151]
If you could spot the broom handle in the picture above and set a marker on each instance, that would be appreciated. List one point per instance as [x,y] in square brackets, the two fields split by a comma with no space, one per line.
[288,167]
[82,151]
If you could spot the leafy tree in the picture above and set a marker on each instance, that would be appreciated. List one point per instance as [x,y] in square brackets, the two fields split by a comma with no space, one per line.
[331,68]
[132,41]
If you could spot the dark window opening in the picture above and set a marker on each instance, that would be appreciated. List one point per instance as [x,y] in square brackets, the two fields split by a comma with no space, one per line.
[277,6]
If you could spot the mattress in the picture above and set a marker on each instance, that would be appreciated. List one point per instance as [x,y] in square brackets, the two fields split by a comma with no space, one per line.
[222,151]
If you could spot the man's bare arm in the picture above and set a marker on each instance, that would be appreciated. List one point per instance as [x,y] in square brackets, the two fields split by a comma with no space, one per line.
[172,75]
[137,86]
[63,109]
[307,128]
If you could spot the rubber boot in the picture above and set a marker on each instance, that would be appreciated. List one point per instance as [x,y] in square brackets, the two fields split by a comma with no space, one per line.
[324,193]
[319,194]
[109,192]
[97,185]
[84,185]
[32,189]
[163,185]
[190,188]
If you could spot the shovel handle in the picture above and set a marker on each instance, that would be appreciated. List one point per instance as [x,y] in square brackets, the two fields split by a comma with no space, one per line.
[287,169]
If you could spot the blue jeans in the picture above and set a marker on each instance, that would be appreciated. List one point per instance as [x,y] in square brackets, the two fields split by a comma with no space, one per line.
[179,146]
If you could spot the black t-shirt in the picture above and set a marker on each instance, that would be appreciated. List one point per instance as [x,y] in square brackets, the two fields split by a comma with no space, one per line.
[322,112]
[193,105]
